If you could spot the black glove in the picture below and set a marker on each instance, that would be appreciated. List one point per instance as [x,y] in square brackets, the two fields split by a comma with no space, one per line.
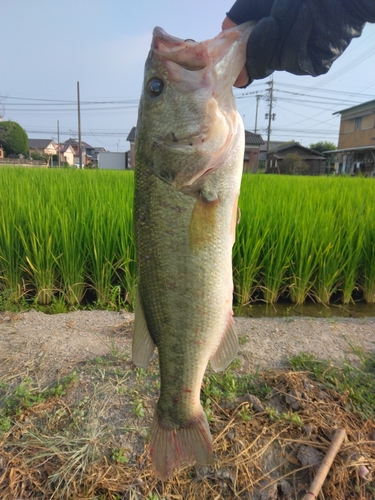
[302,37]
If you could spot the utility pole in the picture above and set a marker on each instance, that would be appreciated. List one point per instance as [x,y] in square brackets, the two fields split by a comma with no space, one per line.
[58,142]
[269,115]
[256,113]
[79,128]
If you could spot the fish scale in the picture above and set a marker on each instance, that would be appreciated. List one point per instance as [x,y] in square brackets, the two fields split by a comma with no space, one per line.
[185,204]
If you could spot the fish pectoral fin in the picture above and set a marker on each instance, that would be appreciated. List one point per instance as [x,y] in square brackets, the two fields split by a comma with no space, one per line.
[227,350]
[143,346]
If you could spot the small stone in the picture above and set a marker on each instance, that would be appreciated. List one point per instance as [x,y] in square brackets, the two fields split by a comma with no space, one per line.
[225,474]
[292,399]
[363,471]
[322,395]
[308,385]
[286,489]
[270,493]
[203,471]
[308,430]
[231,435]
[309,456]
[255,402]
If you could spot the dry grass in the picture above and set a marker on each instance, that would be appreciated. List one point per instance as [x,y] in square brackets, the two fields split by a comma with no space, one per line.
[92,442]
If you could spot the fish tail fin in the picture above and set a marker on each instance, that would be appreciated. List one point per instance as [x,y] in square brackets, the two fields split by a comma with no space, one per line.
[171,447]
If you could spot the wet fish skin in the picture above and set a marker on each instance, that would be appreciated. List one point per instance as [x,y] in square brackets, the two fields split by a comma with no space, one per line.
[189,154]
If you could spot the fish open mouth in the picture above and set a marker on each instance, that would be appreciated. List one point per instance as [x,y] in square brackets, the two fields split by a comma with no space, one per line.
[188,54]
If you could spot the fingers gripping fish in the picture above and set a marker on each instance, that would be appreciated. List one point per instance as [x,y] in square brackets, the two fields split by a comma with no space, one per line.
[189,158]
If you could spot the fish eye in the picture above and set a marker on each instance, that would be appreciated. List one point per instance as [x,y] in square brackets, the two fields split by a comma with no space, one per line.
[155,87]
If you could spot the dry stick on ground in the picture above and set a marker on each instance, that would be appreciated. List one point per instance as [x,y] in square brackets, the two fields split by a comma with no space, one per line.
[323,470]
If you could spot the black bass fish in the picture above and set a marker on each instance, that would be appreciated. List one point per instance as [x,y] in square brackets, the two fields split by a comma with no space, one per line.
[189,160]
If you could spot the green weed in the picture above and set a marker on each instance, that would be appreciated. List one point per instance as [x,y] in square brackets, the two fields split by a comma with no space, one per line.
[138,407]
[26,395]
[119,455]
[357,382]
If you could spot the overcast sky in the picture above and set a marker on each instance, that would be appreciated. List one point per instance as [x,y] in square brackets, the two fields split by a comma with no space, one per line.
[46,46]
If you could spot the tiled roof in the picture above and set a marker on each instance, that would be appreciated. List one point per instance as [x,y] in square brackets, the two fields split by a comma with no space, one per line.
[274,145]
[74,142]
[39,143]
[131,135]
[251,138]
[307,153]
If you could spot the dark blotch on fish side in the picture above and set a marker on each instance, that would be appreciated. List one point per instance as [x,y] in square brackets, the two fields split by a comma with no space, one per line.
[167,176]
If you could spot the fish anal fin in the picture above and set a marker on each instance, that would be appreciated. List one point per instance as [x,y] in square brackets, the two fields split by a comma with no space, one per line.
[170,448]
[227,350]
[143,346]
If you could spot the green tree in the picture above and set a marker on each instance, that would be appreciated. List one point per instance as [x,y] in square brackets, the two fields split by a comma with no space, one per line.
[322,146]
[294,164]
[13,138]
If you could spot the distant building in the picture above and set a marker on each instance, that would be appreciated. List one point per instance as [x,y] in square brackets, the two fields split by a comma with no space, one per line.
[112,161]
[66,154]
[273,146]
[131,153]
[75,146]
[253,142]
[95,155]
[43,146]
[356,148]
[311,162]
[89,153]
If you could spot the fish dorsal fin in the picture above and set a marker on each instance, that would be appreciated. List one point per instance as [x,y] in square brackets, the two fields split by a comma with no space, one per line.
[143,346]
[227,350]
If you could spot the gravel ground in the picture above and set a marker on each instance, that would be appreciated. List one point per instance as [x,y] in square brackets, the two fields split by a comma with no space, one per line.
[53,345]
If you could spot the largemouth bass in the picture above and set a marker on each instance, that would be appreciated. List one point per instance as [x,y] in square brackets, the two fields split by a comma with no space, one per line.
[189,160]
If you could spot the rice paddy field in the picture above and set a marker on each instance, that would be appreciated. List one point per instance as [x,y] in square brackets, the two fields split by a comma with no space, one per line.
[66,235]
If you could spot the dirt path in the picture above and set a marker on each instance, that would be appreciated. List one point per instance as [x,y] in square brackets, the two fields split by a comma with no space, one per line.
[53,345]
[105,415]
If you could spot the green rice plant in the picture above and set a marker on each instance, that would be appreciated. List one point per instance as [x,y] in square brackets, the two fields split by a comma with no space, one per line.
[367,280]
[304,261]
[38,239]
[126,268]
[328,245]
[250,239]
[246,263]
[12,258]
[101,251]
[67,230]
[306,235]
[352,239]
[71,262]
[103,231]
[277,247]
